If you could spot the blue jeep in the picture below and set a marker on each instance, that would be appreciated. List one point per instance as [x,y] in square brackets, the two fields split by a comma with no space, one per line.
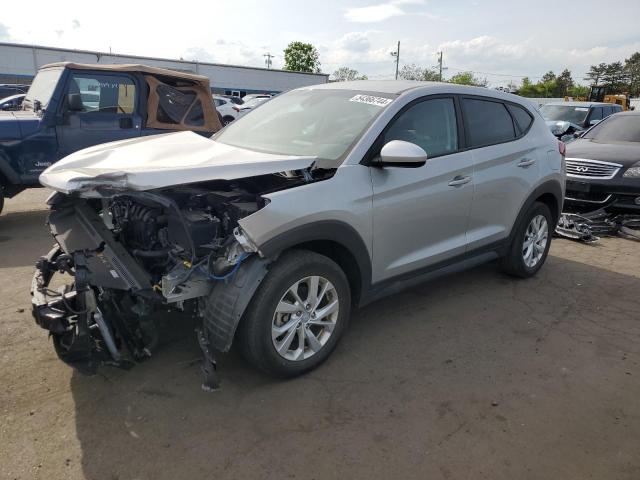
[73,106]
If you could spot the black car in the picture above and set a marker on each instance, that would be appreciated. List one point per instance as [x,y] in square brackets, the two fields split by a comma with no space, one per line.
[603,166]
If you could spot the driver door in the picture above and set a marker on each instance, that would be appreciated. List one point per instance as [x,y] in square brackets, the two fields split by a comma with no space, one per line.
[420,215]
[108,111]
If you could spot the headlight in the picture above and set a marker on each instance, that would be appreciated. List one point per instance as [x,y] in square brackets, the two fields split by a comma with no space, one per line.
[633,172]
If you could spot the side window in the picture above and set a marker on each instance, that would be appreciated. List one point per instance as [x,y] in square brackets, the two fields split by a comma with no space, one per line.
[521,116]
[218,102]
[104,93]
[487,122]
[596,114]
[430,124]
[606,111]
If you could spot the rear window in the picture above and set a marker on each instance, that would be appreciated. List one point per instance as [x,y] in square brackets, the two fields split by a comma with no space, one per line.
[487,122]
[522,118]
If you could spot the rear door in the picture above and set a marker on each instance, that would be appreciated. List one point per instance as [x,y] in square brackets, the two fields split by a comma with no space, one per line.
[109,110]
[420,214]
[505,166]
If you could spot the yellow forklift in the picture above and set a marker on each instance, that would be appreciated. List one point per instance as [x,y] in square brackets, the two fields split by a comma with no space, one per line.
[598,93]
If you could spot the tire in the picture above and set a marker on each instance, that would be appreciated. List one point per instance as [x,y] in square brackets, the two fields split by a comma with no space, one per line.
[517,262]
[1,198]
[227,120]
[263,328]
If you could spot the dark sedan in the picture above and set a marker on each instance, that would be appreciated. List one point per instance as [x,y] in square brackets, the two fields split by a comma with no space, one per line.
[603,166]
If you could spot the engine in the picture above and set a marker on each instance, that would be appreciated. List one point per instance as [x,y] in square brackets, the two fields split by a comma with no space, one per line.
[181,228]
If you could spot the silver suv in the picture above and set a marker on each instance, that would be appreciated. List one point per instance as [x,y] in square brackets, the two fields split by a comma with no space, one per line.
[322,200]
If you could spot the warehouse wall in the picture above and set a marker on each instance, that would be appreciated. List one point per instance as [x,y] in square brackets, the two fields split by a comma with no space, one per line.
[19,63]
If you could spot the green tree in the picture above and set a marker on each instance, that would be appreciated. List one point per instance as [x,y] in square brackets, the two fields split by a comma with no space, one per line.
[595,73]
[414,72]
[616,78]
[411,72]
[578,91]
[468,78]
[548,77]
[564,82]
[632,66]
[345,74]
[301,57]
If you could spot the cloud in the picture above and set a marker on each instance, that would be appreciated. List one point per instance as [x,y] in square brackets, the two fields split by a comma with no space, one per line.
[230,52]
[75,23]
[379,12]
[354,42]
[496,56]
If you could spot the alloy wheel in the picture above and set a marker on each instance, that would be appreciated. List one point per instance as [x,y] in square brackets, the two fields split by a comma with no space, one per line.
[305,318]
[535,241]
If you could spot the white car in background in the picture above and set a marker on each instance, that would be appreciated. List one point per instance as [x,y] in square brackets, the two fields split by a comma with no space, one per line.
[248,105]
[253,96]
[225,108]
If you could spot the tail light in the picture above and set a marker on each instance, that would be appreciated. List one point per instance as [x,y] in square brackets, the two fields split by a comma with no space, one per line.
[562,148]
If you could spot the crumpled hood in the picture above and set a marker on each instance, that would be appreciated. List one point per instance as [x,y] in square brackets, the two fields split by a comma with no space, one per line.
[158,161]
[558,127]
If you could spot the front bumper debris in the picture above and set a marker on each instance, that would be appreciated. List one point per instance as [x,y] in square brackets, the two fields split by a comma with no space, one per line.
[589,227]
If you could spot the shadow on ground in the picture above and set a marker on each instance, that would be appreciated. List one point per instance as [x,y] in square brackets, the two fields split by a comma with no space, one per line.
[472,376]
[24,238]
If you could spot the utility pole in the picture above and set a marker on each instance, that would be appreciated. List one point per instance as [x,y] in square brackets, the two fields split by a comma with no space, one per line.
[397,55]
[268,58]
[440,65]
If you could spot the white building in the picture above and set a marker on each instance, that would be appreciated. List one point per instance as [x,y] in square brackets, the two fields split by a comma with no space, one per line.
[19,64]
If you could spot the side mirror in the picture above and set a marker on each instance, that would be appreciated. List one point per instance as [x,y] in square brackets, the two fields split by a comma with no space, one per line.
[74,102]
[398,153]
[594,122]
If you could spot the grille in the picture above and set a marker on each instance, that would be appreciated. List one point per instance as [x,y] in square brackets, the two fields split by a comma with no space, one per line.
[578,167]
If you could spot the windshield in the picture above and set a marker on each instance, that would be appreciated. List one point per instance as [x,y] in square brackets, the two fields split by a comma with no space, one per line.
[566,113]
[42,87]
[623,128]
[319,123]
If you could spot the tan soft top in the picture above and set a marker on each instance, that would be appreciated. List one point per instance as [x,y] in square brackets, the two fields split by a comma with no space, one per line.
[180,81]
[132,67]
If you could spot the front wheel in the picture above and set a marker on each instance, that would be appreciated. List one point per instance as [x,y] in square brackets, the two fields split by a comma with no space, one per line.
[297,315]
[530,244]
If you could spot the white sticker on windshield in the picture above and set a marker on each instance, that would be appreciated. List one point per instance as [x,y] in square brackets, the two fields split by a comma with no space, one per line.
[371,100]
[581,109]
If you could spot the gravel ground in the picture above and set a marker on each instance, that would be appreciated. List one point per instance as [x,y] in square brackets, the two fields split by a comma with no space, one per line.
[472,376]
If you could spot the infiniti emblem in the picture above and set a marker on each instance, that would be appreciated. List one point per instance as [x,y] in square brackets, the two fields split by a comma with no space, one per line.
[582,169]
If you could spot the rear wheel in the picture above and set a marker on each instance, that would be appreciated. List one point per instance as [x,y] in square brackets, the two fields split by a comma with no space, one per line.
[530,244]
[297,315]
[227,120]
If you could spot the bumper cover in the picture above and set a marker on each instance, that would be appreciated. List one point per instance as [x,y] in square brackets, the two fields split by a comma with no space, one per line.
[617,194]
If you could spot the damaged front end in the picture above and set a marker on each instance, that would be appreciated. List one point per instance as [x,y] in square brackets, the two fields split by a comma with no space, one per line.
[128,254]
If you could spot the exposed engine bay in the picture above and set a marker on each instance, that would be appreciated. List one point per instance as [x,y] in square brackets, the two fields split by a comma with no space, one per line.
[129,253]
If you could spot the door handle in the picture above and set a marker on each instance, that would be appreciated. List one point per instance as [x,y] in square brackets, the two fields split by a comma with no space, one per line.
[459,180]
[526,162]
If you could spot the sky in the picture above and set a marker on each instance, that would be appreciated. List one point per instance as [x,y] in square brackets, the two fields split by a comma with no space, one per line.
[501,40]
